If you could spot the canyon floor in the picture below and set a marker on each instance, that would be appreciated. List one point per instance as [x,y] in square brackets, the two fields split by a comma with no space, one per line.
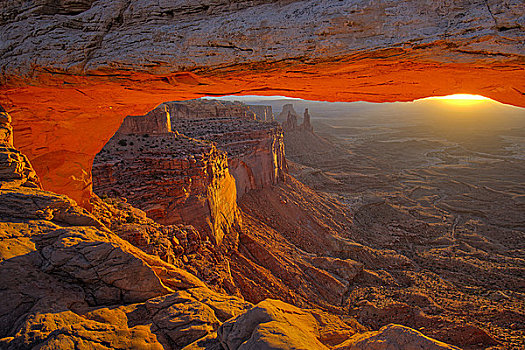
[448,197]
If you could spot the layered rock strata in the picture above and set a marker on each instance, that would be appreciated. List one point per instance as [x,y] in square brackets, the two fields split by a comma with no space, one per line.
[155,122]
[255,149]
[204,109]
[173,178]
[17,170]
[69,282]
[101,62]
[263,113]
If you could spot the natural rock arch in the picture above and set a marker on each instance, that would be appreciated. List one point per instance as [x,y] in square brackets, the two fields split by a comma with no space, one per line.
[70,75]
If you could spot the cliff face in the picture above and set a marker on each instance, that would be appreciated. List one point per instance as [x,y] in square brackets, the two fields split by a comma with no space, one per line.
[179,177]
[209,109]
[173,178]
[100,61]
[263,113]
[262,165]
[155,122]
[70,281]
[255,150]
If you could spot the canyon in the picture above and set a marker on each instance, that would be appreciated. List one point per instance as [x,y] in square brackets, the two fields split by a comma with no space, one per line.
[72,282]
[134,214]
[441,189]
[99,62]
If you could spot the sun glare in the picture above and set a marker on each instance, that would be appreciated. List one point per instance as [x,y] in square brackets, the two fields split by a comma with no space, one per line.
[461,99]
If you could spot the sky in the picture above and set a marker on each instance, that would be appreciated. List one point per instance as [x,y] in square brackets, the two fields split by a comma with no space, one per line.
[471,109]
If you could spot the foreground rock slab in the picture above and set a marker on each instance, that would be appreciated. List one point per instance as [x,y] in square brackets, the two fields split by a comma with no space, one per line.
[394,337]
[272,324]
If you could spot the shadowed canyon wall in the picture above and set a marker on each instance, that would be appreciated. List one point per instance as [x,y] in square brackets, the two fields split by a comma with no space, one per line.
[71,71]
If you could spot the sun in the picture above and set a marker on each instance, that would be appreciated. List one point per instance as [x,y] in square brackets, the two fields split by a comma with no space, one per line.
[460,99]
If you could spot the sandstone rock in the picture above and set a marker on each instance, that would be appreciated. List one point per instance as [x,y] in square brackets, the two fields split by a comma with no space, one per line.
[291,122]
[263,113]
[132,225]
[286,111]
[155,122]
[209,342]
[255,150]
[58,262]
[306,126]
[393,337]
[16,170]
[131,57]
[6,130]
[346,269]
[71,268]
[61,266]
[271,324]
[205,109]
[99,267]
[32,203]
[185,317]
[66,330]
[67,281]
[173,178]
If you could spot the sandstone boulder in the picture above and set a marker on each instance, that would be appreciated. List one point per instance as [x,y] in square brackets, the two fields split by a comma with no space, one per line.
[394,337]
[271,324]
[185,317]
[67,330]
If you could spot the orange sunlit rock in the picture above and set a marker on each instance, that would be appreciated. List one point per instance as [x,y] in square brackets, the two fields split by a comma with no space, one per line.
[62,123]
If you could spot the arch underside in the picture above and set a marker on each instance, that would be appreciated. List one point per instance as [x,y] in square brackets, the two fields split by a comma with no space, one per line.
[68,87]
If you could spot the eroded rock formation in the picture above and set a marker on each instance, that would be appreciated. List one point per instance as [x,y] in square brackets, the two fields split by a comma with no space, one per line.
[291,120]
[287,113]
[61,268]
[98,62]
[17,170]
[173,178]
[68,281]
[306,125]
[290,123]
[393,337]
[155,122]
[263,113]
[255,150]
[177,179]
